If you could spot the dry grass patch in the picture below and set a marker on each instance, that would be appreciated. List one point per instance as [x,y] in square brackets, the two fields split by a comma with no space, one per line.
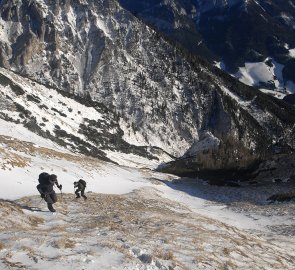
[9,160]
[118,247]
[2,246]
[231,265]
[226,252]
[29,250]
[13,217]
[7,208]
[35,221]
[64,243]
[31,149]
[155,181]
[164,255]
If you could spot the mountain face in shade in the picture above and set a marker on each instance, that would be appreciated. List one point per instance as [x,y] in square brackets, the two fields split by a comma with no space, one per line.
[232,32]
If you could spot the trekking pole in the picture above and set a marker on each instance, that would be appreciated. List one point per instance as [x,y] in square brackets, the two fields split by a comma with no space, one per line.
[61,193]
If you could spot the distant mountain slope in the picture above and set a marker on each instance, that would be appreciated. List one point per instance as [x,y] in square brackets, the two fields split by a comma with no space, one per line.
[236,32]
[175,19]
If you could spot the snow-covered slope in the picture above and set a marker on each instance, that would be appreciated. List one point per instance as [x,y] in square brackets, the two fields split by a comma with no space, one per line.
[133,219]
[24,155]
[78,124]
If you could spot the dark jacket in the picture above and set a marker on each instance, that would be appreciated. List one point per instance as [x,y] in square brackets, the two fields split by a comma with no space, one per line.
[47,188]
[79,185]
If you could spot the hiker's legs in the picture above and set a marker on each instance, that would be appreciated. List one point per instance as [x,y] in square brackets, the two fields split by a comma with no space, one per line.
[51,198]
[82,194]
[48,199]
[77,193]
[50,207]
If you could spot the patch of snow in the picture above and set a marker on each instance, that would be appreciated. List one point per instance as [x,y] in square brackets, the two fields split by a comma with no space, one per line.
[100,23]
[220,65]
[21,133]
[254,73]
[288,19]
[278,72]
[131,137]
[292,52]
[276,94]
[267,72]
[53,100]
[72,18]
[9,30]
[199,197]
[102,178]
[205,142]
[135,161]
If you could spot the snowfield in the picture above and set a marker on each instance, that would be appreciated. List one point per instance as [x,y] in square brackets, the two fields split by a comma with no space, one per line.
[261,74]
[133,218]
[266,75]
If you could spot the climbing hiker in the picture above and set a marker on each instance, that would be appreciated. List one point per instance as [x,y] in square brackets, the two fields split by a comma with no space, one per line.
[80,185]
[45,187]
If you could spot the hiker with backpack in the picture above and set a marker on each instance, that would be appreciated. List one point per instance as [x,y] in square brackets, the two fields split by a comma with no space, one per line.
[80,185]
[45,187]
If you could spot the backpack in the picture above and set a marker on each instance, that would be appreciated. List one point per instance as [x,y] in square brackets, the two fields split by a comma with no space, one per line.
[82,182]
[43,178]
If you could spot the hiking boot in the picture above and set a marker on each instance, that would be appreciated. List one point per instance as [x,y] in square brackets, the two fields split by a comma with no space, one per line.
[85,198]
[78,196]
[50,207]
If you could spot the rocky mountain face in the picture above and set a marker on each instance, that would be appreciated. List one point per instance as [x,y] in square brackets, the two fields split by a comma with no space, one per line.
[232,32]
[159,95]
